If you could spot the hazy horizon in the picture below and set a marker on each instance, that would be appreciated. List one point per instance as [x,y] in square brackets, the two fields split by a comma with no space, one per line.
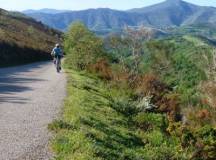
[81,5]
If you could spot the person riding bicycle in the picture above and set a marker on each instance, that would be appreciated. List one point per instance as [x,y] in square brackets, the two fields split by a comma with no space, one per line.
[57,54]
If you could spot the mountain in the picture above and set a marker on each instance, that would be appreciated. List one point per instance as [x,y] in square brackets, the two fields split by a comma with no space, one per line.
[168,13]
[167,6]
[95,19]
[24,40]
[177,13]
[165,14]
[45,10]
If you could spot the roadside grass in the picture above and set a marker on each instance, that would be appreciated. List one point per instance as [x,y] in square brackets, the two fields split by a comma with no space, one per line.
[92,129]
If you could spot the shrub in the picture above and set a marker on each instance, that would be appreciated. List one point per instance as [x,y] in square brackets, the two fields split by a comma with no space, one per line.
[155,138]
[204,114]
[124,105]
[199,117]
[170,104]
[150,121]
[102,68]
[120,78]
[206,143]
[149,84]
[209,89]
[162,97]
[187,139]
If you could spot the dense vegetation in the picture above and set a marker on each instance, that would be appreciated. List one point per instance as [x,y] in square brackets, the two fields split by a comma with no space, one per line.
[23,40]
[207,32]
[131,97]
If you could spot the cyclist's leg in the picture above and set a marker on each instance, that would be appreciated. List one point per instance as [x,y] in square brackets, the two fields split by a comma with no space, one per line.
[54,59]
[58,64]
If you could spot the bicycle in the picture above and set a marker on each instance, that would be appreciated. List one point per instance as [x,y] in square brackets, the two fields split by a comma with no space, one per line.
[57,62]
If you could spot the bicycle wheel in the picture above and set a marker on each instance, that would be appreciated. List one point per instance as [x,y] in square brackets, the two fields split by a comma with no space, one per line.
[58,64]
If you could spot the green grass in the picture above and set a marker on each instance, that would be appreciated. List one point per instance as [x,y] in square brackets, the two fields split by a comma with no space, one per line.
[100,131]
[92,129]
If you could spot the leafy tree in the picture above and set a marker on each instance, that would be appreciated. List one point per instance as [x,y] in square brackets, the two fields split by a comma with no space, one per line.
[119,46]
[82,46]
[136,39]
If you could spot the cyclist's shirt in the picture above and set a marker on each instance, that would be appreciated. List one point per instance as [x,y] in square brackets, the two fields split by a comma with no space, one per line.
[57,51]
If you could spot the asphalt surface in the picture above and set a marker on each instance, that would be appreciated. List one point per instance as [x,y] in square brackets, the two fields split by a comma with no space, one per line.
[31,97]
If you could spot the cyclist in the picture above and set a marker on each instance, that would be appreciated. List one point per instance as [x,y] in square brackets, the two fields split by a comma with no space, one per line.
[57,54]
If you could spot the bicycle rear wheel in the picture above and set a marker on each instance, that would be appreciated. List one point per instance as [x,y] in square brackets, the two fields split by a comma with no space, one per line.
[58,64]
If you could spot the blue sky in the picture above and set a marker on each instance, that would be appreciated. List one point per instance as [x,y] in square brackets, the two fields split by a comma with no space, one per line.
[84,4]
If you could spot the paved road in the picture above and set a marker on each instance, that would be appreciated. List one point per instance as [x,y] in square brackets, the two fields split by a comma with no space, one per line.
[30,98]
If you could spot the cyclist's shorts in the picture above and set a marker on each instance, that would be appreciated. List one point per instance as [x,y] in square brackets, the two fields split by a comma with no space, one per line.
[58,56]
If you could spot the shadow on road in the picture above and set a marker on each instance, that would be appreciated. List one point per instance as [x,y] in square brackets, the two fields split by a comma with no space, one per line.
[16,100]
[15,80]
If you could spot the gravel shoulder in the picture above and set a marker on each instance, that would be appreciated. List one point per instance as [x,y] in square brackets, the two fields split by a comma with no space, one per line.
[31,96]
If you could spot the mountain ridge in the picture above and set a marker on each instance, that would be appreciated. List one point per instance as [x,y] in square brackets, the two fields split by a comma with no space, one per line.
[45,10]
[165,14]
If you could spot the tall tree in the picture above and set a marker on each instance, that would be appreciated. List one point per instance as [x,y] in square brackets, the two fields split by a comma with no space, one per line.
[82,46]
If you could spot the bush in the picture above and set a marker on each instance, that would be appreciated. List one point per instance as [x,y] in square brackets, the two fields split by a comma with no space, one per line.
[124,105]
[209,89]
[149,84]
[102,68]
[150,121]
[199,117]
[206,143]
[162,96]
[170,104]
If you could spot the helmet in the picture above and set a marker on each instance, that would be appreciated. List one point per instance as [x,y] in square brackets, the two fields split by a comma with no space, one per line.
[57,45]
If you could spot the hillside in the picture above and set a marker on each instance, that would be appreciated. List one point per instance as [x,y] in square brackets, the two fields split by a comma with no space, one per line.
[23,40]
[165,14]
[150,99]
[207,31]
